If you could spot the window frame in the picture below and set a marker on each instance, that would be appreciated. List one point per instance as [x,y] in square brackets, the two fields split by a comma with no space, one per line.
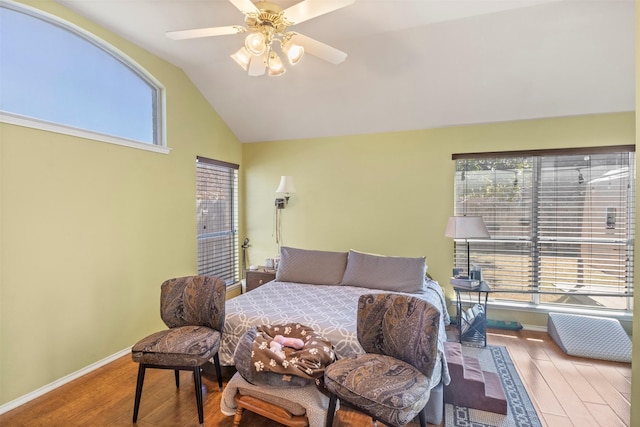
[159,128]
[536,289]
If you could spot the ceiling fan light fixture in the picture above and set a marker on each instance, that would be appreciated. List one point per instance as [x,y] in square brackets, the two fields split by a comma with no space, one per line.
[242,57]
[274,64]
[266,23]
[255,43]
[294,52]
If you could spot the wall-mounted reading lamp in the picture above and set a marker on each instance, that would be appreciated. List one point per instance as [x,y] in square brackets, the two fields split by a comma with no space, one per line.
[286,187]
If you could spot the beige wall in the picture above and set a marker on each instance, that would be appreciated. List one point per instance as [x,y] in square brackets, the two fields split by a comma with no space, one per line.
[89,231]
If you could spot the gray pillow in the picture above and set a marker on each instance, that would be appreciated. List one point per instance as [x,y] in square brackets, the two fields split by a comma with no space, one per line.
[311,266]
[384,272]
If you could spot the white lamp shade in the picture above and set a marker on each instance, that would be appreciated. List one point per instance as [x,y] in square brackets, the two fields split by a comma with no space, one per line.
[294,52]
[286,185]
[242,57]
[275,65]
[467,227]
[255,43]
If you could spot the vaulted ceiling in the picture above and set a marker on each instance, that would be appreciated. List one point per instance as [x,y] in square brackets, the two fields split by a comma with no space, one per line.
[411,64]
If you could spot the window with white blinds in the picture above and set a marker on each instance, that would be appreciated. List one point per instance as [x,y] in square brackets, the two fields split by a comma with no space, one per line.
[561,224]
[217,219]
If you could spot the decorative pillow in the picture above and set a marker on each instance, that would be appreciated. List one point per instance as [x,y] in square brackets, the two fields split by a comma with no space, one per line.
[384,272]
[309,266]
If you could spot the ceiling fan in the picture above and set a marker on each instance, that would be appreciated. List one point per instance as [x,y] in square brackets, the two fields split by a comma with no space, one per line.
[267,23]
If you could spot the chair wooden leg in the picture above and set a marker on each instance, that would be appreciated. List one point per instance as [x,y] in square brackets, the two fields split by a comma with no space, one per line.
[422,416]
[198,384]
[136,405]
[216,362]
[332,410]
[176,372]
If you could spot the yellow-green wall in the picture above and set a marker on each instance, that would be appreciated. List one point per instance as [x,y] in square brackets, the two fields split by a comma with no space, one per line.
[89,230]
[390,193]
[635,363]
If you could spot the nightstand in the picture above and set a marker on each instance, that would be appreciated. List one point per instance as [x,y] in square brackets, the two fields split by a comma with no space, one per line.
[257,278]
[472,315]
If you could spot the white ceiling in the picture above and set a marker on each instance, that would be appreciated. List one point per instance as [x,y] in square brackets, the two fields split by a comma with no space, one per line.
[412,64]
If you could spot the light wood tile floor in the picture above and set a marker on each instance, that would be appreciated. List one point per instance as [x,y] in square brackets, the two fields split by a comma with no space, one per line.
[566,391]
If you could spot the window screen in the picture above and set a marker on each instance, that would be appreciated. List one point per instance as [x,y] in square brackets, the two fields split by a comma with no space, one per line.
[217,219]
[561,224]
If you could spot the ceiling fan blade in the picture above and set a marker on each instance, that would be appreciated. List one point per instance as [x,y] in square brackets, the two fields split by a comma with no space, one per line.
[257,66]
[204,32]
[319,49]
[245,6]
[309,9]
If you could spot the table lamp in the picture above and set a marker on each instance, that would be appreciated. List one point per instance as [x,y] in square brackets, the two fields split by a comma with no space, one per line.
[467,227]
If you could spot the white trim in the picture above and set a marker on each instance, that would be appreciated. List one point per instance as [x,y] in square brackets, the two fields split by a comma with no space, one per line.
[536,328]
[29,122]
[558,308]
[60,382]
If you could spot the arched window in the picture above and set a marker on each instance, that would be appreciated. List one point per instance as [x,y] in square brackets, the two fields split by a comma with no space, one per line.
[56,76]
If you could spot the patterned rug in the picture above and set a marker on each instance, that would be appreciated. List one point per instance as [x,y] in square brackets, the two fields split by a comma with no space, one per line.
[521,412]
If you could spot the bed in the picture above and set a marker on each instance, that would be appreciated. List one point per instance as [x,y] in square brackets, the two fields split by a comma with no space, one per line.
[320,289]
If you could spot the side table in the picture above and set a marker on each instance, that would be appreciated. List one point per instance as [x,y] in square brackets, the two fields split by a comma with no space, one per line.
[257,278]
[472,315]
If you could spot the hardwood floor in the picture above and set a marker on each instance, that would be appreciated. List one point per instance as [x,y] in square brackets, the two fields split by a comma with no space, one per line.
[566,391]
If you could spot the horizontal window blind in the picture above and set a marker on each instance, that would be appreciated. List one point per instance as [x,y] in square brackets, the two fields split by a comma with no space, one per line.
[217,219]
[560,224]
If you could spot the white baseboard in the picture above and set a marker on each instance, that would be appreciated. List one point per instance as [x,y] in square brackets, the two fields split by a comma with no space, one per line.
[60,382]
[535,328]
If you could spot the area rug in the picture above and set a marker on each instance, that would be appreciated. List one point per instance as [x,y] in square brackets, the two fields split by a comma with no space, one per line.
[520,413]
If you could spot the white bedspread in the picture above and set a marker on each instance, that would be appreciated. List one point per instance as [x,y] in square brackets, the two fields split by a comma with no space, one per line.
[330,310]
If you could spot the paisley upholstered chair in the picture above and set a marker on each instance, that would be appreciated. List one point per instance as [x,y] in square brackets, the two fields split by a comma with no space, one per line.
[193,309]
[390,382]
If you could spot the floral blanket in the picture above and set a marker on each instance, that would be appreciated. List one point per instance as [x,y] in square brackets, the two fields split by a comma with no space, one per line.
[307,362]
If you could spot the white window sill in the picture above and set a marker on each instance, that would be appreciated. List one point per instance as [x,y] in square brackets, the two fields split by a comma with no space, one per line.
[622,316]
[71,131]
